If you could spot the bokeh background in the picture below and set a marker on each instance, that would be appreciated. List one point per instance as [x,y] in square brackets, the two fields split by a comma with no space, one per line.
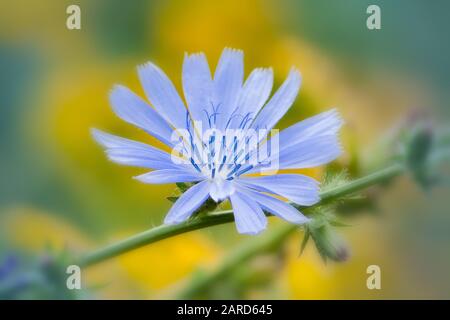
[59,193]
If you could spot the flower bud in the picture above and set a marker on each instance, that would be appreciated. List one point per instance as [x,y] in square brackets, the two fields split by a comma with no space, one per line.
[418,150]
[329,244]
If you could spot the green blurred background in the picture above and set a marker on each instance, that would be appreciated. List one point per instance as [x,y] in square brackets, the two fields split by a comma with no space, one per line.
[57,189]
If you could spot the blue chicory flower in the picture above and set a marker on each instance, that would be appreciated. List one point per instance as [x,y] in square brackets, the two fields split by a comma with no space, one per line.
[224,168]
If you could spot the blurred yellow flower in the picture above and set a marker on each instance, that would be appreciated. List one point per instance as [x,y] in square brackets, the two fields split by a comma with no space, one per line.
[306,276]
[34,230]
[161,264]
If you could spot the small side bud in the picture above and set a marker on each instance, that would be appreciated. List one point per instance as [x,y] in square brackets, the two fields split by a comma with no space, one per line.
[418,150]
[329,244]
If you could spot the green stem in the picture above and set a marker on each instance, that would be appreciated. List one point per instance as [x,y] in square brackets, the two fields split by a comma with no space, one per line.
[245,252]
[275,237]
[222,217]
[155,234]
[353,186]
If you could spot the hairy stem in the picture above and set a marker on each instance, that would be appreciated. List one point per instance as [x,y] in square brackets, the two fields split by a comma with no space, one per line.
[222,217]
[273,239]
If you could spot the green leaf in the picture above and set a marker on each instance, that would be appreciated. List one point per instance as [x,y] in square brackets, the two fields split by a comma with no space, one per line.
[172,199]
[337,223]
[305,240]
[209,206]
[183,186]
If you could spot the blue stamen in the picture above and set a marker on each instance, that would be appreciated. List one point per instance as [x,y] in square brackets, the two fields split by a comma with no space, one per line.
[236,168]
[195,165]
[244,170]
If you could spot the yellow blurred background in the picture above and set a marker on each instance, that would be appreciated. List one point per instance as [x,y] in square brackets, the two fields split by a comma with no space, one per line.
[58,190]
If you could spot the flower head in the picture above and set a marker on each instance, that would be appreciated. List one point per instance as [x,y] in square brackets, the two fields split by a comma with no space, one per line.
[223,138]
